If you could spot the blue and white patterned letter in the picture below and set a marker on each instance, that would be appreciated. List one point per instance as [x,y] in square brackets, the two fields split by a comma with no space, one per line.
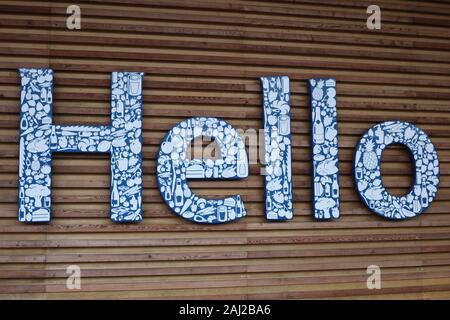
[277,132]
[39,138]
[367,170]
[174,169]
[324,145]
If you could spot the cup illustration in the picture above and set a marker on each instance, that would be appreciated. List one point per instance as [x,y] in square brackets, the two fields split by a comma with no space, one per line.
[284,125]
[222,213]
[134,85]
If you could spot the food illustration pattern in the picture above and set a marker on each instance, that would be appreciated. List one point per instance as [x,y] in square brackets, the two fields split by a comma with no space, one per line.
[174,168]
[277,135]
[368,176]
[324,148]
[39,139]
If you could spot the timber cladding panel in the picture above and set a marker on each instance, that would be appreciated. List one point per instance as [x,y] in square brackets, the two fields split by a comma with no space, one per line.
[205,57]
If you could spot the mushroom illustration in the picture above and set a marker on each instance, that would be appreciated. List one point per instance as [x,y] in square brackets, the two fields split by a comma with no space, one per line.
[325,204]
[37,191]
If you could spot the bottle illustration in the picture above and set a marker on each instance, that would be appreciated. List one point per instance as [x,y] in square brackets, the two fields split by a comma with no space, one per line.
[43,95]
[327,190]
[335,188]
[120,109]
[268,202]
[167,193]
[178,193]
[242,169]
[139,200]
[21,193]
[49,97]
[53,138]
[115,195]
[318,128]
[133,202]
[22,209]
[238,208]
[424,196]
[420,151]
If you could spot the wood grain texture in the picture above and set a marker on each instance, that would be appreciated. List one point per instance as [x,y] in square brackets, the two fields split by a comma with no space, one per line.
[205,57]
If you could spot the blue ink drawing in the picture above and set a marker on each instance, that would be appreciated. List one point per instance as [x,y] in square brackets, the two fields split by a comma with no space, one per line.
[367,172]
[174,169]
[324,149]
[277,135]
[39,139]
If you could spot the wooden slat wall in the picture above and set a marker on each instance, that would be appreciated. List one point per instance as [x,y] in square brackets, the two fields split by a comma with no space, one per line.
[205,57]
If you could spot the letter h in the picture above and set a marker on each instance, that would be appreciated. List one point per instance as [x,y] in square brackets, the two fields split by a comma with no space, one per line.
[39,139]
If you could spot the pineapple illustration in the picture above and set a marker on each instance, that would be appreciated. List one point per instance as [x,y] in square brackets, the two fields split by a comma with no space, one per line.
[317,93]
[370,157]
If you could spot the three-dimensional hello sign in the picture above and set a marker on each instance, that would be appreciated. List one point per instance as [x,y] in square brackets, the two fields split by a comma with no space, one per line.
[39,139]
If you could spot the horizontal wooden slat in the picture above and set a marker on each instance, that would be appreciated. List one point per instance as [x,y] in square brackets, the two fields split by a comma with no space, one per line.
[205,58]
